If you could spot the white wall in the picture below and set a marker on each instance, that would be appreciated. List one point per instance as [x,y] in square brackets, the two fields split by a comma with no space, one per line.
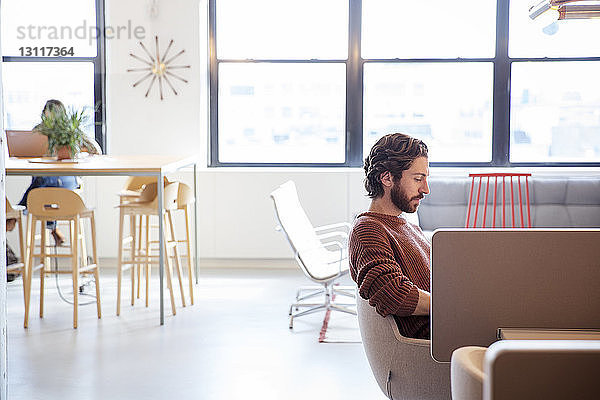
[141,125]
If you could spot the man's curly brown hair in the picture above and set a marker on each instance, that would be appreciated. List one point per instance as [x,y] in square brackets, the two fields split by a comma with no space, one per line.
[394,152]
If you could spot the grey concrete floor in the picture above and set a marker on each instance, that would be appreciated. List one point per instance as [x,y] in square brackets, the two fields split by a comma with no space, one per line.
[234,343]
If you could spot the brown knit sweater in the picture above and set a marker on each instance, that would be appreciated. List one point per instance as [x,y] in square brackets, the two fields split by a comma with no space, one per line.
[389,260]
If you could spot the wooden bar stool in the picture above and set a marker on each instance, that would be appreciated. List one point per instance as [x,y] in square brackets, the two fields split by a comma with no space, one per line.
[476,180]
[146,206]
[12,213]
[132,191]
[185,200]
[58,204]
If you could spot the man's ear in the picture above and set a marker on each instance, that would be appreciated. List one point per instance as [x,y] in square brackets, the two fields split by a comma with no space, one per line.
[387,179]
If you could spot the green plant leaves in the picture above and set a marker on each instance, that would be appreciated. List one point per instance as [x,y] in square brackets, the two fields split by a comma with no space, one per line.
[64,128]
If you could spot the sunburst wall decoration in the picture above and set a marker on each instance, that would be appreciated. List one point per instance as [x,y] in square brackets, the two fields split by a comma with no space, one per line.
[158,68]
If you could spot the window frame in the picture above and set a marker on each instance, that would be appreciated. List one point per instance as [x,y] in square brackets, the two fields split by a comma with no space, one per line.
[502,64]
[99,62]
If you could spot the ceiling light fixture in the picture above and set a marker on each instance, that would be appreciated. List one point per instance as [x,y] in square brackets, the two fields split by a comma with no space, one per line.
[566,9]
[579,11]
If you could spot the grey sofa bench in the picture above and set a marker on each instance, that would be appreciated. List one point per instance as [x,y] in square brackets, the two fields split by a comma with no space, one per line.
[555,202]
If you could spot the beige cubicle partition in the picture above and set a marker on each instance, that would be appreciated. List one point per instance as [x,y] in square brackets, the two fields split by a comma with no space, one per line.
[483,279]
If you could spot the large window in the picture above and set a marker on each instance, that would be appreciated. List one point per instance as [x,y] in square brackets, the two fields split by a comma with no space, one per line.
[53,50]
[284,112]
[420,99]
[317,83]
[554,101]
[281,74]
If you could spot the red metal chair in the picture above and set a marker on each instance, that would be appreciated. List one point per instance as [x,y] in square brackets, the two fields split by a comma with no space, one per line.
[510,203]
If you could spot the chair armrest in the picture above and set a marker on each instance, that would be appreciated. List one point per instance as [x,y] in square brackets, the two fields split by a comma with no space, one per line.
[334,226]
[340,247]
[332,235]
[412,341]
[336,243]
[129,193]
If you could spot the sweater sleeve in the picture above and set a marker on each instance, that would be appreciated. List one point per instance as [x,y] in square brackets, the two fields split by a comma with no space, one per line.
[379,276]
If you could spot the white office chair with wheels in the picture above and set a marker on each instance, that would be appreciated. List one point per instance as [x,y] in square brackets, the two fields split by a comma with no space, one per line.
[321,254]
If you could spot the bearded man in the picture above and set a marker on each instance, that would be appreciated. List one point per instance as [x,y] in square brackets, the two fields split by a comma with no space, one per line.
[389,256]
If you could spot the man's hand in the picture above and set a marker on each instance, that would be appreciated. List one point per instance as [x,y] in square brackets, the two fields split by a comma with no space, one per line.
[423,304]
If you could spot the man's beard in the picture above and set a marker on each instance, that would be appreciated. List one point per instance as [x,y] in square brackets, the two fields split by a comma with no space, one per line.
[401,200]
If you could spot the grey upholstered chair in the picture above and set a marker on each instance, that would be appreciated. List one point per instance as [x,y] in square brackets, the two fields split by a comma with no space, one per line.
[466,373]
[402,366]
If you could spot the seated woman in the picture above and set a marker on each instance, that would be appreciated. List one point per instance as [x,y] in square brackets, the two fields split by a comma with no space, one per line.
[11,258]
[67,182]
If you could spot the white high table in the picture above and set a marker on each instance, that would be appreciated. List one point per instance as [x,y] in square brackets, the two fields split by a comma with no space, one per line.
[103,165]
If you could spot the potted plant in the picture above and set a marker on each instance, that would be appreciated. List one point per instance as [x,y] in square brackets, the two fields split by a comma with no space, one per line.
[64,129]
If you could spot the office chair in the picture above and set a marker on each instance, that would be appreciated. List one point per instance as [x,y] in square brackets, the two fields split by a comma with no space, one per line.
[321,254]
[403,367]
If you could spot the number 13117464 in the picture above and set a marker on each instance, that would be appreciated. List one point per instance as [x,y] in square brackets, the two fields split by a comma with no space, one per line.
[46,51]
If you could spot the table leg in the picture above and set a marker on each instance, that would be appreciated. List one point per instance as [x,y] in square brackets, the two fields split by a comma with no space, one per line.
[196,258]
[161,244]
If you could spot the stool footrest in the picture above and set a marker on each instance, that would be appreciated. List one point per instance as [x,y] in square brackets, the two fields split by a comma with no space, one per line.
[54,255]
[88,268]
[14,266]
[60,271]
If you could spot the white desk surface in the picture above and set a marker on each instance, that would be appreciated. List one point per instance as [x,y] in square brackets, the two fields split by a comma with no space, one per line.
[101,165]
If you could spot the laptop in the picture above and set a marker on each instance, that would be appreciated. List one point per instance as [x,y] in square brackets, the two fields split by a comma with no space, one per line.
[26,144]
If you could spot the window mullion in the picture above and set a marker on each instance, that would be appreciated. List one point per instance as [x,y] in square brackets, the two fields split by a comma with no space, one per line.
[501,117]
[213,85]
[354,88]
[100,78]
